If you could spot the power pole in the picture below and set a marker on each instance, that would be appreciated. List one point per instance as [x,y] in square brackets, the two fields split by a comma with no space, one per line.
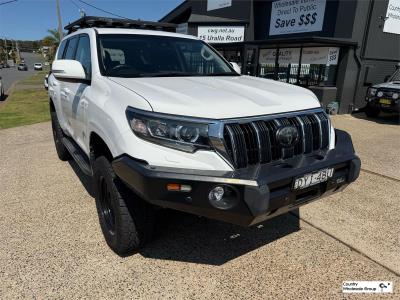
[5,48]
[60,31]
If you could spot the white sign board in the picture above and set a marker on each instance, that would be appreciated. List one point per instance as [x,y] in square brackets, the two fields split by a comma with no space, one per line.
[217,4]
[295,16]
[312,56]
[320,56]
[182,28]
[221,34]
[286,56]
[392,23]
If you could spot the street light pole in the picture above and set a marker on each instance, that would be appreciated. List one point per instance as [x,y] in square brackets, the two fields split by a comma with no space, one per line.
[60,31]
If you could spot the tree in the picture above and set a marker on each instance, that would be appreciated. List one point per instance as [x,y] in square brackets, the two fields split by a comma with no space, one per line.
[52,41]
[54,36]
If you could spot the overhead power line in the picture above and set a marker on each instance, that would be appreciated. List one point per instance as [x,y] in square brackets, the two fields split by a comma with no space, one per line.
[103,10]
[74,3]
[6,2]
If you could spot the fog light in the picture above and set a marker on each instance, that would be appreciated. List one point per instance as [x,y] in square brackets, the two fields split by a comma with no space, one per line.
[380,94]
[395,96]
[223,197]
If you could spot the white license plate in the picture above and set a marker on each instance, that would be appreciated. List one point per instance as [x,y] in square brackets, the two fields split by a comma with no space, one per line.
[312,178]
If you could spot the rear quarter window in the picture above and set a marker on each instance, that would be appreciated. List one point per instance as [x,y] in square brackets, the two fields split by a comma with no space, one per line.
[70,52]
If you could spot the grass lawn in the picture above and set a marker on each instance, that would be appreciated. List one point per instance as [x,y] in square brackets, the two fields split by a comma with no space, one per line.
[28,103]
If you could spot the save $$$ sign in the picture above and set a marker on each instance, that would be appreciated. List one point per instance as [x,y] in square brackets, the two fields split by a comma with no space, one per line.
[295,16]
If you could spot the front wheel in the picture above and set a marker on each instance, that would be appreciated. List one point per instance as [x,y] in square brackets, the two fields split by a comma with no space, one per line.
[372,111]
[126,220]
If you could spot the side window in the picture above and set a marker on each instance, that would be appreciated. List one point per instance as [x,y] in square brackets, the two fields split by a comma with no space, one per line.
[61,49]
[83,55]
[70,54]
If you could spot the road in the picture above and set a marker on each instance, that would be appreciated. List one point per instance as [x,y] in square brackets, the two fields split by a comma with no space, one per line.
[52,247]
[11,75]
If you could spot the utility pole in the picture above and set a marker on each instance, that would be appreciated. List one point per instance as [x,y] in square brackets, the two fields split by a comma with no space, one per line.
[60,31]
[5,48]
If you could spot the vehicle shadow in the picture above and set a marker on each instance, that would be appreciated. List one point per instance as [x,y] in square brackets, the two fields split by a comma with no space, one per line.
[383,118]
[188,238]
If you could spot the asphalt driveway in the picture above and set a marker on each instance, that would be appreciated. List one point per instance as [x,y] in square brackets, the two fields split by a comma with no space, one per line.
[52,247]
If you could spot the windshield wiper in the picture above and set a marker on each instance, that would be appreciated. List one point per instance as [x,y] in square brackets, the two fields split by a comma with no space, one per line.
[169,74]
[223,74]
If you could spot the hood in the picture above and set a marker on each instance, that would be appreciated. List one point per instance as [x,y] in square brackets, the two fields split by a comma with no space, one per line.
[389,85]
[219,97]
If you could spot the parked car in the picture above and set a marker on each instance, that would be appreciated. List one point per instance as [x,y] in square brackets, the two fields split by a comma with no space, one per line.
[46,63]
[46,82]
[38,67]
[384,96]
[155,130]
[6,65]
[2,95]
[22,67]
[1,65]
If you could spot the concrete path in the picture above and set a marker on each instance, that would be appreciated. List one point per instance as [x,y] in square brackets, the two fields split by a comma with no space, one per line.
[52,247]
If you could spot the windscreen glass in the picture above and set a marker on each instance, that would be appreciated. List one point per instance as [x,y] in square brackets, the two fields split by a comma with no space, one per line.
[159,56]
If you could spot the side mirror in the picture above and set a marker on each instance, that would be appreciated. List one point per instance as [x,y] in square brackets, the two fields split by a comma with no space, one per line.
[387,77]
[236,67]
[68,69]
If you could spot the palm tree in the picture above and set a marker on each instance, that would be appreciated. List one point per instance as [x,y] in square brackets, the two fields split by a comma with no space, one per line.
[54,36]
[52,41]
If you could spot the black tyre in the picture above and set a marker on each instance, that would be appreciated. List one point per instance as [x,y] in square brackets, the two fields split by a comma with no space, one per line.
[58,134]
[372,111]
[126,221]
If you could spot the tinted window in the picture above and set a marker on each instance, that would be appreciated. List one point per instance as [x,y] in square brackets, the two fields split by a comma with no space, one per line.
[61,49]
[159,56]
[70,54]
[83,55]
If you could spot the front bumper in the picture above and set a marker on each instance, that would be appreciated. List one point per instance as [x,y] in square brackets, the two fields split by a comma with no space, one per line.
[264,191]
[394,106]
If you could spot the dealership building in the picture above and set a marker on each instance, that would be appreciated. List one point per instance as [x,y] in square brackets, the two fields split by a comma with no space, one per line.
[336,48]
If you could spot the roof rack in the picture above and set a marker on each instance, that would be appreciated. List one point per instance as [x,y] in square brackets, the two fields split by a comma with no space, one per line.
[102,22]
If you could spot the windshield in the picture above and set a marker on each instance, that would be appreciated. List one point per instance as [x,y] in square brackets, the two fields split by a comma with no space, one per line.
[159,56]
[395,76]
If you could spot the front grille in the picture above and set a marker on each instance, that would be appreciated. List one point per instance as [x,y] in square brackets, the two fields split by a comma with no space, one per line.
[387,93]
[254,142]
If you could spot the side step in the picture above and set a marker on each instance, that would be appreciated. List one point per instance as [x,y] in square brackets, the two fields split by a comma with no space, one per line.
[78,155]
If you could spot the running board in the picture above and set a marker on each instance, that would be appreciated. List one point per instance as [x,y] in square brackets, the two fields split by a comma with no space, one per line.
[78,155]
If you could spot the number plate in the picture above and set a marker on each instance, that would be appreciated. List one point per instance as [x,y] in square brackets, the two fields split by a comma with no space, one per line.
[312,178]
[385,101]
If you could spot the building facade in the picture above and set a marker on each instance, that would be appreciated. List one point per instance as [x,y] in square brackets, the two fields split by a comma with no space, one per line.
[336,48]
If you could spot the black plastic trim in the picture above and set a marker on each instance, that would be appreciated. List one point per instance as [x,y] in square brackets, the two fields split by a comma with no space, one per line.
[264,191]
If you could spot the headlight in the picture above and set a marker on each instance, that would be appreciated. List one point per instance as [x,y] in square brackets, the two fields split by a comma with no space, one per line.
[372,91]
[395,96]
[171,131]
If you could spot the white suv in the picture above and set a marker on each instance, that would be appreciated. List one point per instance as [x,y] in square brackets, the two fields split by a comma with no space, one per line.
[161,120]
